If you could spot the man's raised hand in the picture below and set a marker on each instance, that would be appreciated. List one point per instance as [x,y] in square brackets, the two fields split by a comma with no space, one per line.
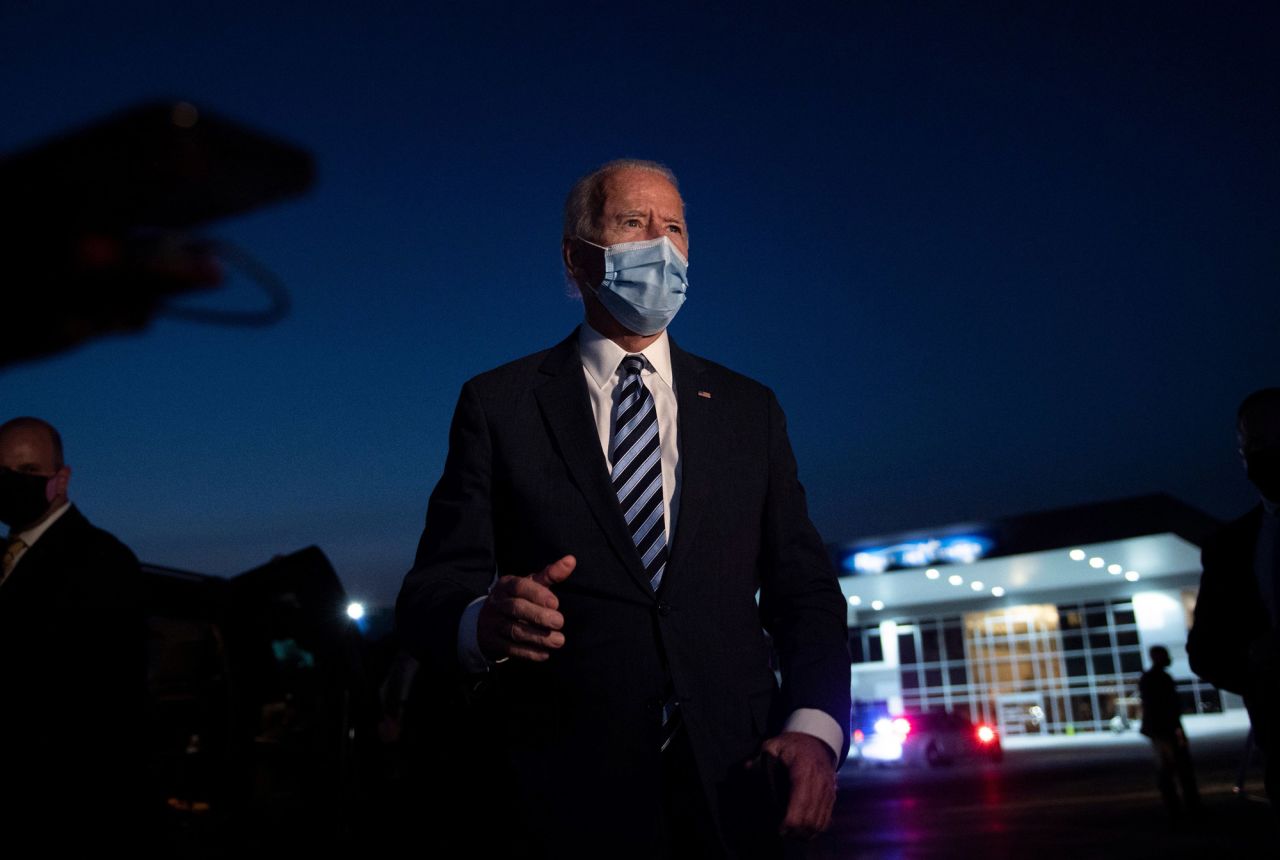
[520,618]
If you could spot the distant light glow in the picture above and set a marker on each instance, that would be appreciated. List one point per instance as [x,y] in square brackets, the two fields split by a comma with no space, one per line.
[986,734]
[997,591]
[976,585]
[1077,555]
[868,562]
[955,579]
[1132,576]
[355,611]
[1115,569]
[1097,562]
[918,553]
[964,551]
[932,573]
[855,600]
[885,743]
[877,605]
[881,746]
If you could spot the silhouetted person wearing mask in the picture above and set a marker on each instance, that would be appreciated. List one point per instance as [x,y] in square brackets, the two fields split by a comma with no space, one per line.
[1235,641]
[1162,722]
[72,659]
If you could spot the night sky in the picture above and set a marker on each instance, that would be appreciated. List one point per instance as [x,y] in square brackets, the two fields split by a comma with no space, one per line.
[992,259]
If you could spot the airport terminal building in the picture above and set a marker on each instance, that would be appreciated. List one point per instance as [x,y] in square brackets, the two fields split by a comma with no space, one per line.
[1037,624]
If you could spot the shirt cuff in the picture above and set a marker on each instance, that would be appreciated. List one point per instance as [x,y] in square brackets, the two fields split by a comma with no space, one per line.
[811,721]
[469,656]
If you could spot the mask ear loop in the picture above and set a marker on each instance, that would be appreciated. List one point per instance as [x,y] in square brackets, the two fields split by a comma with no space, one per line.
[594,288]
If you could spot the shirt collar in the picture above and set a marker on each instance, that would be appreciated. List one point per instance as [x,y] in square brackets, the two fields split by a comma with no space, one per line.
[32,534]
[601,356]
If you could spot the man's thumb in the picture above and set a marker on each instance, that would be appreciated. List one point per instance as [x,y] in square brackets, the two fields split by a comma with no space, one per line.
[556,572]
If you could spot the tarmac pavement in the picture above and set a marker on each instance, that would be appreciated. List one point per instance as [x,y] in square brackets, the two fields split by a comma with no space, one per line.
[1087,796]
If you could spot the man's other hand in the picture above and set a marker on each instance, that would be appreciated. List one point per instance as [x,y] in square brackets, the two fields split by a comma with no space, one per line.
[812,776]
[520,617]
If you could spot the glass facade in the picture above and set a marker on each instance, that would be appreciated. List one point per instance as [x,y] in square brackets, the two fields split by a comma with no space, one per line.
[1039,668]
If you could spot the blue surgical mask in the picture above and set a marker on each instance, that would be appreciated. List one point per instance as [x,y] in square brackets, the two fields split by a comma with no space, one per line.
[644,283]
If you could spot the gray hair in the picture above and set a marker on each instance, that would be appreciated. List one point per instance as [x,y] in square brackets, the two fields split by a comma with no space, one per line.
[584,207]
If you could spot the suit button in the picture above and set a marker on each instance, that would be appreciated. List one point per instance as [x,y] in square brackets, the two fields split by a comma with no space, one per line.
[664,608]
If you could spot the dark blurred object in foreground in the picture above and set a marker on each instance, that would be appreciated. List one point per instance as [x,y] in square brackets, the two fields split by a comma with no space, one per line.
[92,224]
[261,712]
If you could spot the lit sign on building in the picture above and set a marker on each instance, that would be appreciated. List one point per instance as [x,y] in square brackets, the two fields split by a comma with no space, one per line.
[921,553]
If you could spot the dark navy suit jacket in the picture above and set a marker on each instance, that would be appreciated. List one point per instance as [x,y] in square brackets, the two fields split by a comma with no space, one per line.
[525,483]
[72,686]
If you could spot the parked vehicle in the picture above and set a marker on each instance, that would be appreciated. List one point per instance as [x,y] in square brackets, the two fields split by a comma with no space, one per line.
[932,738]
[259,705]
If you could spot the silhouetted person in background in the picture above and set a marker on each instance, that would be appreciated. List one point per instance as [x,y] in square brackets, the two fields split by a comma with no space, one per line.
[1162,722]
[72,659]
[1235,641]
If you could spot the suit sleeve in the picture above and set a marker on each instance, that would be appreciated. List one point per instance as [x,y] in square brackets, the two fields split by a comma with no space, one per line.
[800,601]
[1216,645]
[455,559]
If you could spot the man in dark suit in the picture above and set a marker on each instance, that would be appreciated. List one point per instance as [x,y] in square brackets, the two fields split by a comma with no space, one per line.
[608,511]
[1235,640]
[72,656]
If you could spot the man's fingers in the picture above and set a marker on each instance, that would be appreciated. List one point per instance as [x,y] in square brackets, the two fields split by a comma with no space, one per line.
[519,609]
[528,588]
[811,778]
[533,654]
[527,634]
[556,572]
[808,812]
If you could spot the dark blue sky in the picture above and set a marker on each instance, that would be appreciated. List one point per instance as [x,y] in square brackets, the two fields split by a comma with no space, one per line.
[992,259]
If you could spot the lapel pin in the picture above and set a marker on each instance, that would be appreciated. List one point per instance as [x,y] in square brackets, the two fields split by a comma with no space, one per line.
[706,394]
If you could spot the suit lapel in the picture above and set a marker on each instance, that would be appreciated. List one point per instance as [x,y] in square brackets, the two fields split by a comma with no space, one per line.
[562,397]
[695,420]
[27,571]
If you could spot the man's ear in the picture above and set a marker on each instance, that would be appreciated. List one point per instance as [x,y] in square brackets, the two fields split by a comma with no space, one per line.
[583,261]
[571,251]
[57,485]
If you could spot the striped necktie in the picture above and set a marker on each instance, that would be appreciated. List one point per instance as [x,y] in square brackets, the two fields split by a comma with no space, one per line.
[637,469]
